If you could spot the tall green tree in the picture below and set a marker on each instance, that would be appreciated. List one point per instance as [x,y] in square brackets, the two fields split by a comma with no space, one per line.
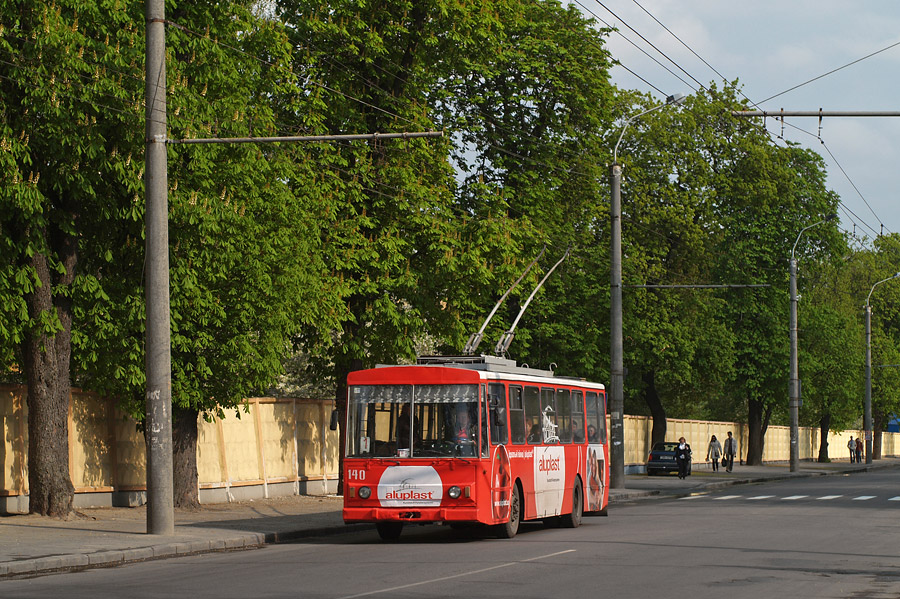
[530,112]
[768,194]
[68,84]
[830,346]
[885,326]
[426,245]
[245,240]
[679,352]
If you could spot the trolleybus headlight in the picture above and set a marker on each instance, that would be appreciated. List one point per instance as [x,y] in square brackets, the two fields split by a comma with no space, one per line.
[454,492]
[365,492]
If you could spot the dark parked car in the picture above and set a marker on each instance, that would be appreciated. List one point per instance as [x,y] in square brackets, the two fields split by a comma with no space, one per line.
[662,459]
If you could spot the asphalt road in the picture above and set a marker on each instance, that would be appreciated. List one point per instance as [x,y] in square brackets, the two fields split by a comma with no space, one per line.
[821,537]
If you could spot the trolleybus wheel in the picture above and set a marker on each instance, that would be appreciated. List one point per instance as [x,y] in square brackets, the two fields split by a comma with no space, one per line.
[389,531]
[573,520]
[508,529]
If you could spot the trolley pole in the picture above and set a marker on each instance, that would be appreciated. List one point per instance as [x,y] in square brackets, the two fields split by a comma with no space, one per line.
[158,424]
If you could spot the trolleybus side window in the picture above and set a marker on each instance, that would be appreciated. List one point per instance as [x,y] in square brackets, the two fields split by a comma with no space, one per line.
[548,415]
[485,452]
[533,415]
[516,414]
[601,408]
[496,399]
[564,415]
[596,418]
[578,416]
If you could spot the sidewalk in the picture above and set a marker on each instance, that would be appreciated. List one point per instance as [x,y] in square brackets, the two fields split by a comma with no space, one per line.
[112,536]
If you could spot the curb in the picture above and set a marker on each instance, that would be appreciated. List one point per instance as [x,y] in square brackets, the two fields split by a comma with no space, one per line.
[118,557]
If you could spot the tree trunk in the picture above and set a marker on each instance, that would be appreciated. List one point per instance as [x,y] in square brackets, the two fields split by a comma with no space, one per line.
[340,400]
[757,423]
[879,422]
[824,427]
[657,411]
[185,480]
[51,492]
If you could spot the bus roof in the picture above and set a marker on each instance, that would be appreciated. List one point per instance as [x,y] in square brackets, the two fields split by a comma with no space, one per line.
[496,368]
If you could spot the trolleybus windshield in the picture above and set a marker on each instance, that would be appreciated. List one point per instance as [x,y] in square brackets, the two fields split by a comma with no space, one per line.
[414,421]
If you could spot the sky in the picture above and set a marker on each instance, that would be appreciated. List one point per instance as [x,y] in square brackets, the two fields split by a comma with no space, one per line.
[771,47]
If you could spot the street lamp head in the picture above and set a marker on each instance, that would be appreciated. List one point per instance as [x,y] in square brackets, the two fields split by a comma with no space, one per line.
[890,278]
[673,100]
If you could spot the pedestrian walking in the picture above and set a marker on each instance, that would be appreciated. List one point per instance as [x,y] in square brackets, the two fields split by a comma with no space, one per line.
[730,450]
[683,457]
[859,448]
[851,445]
[714,452]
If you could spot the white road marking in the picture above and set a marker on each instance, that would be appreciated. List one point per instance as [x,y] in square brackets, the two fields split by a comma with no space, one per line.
[760,497]
[793,497]
[728,497]
[460,575]
[864,498]
[826,497]
[897,498]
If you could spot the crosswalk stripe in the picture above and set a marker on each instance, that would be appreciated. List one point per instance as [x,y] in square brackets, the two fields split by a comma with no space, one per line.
[863,498]
[760,497]
[728,497]
[793,497]
[826,497]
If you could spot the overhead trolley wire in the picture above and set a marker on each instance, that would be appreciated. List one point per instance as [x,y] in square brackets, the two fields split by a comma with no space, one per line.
[831,72]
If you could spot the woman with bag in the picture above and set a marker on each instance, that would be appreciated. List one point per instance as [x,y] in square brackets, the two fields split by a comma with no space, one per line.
[714,452]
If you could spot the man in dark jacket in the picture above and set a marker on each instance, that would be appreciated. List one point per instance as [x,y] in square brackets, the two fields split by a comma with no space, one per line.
[682,457]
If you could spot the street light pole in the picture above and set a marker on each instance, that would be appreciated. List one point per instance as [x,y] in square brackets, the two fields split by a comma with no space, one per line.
[867,416]
[794,389]
[616,361]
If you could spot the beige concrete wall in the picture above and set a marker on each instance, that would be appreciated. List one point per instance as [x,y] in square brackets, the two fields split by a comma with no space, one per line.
[267,441]
[777,446]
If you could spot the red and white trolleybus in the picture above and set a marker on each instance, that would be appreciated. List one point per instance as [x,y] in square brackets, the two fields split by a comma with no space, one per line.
[473,439]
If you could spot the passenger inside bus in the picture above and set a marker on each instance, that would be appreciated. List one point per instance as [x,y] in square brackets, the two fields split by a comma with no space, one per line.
[403,440]
[577,432]
[592,434]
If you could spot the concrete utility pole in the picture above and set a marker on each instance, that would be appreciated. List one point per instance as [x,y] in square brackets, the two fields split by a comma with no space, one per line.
[160,489]
[794,384]
[616,359]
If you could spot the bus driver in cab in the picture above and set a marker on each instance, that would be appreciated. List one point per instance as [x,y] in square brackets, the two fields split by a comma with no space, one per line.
[464,430]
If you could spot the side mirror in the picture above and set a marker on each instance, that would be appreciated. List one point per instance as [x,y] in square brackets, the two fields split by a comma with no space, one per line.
[334,420]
